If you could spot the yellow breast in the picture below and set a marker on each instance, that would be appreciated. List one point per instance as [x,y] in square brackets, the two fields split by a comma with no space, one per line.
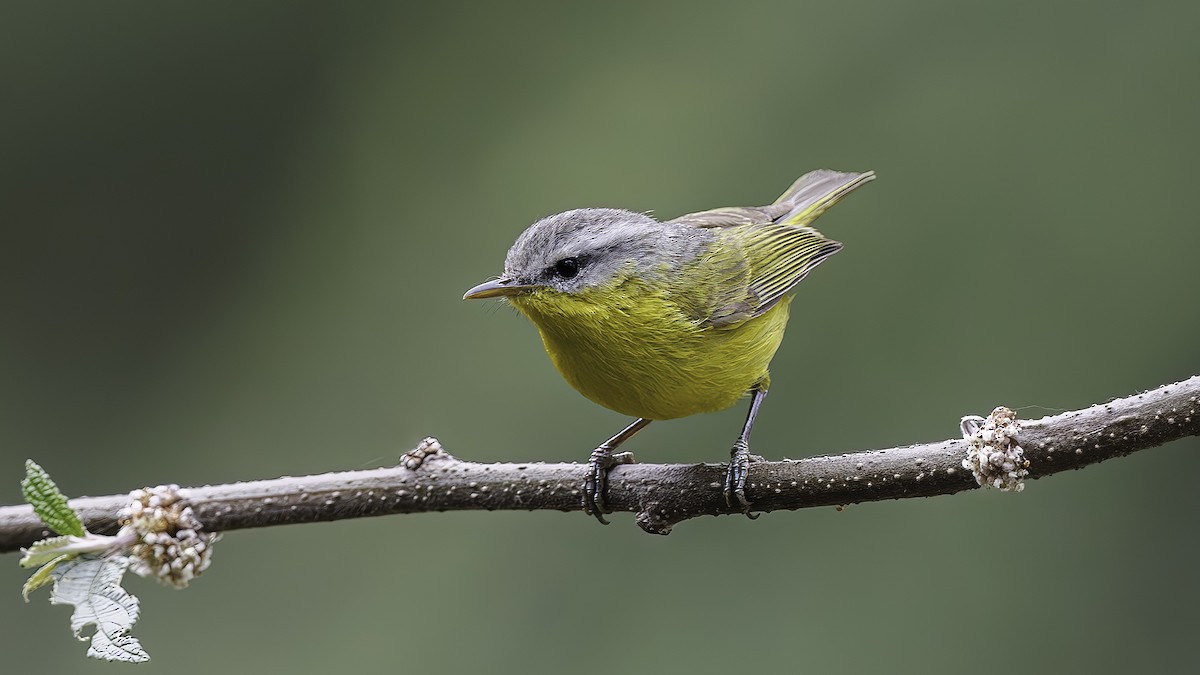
[632,350]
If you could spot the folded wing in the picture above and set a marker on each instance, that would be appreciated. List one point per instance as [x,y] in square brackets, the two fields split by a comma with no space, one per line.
[768,249]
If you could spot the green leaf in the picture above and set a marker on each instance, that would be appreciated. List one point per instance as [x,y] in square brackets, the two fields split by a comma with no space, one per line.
[41,552]
[93,586]
[47,549]
[41,577]
[48,502]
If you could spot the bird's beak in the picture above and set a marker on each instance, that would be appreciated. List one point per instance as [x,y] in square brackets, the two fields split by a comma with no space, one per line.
[497,288]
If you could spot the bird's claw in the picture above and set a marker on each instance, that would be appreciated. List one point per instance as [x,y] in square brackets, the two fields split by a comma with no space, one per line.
[735,477]
[596,482]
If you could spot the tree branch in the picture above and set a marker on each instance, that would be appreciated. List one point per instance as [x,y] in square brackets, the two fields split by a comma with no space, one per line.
[428,479]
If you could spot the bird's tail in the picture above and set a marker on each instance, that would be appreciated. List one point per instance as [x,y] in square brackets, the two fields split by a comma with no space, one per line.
[816,191]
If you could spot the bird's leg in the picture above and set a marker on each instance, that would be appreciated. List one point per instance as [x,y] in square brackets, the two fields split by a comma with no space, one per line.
[740,457]
[599,463]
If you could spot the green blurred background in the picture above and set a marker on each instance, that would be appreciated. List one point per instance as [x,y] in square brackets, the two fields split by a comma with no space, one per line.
[235,237]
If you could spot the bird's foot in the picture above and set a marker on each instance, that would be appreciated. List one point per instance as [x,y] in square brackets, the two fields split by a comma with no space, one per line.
[594,485]
[735,477]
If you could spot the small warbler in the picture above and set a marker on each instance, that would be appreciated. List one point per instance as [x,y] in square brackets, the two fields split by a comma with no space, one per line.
[660,320]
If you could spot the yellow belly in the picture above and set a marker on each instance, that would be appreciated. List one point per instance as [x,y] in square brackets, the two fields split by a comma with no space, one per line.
[636,353]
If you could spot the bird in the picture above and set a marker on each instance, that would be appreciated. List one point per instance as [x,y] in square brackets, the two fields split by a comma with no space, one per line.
[660,320]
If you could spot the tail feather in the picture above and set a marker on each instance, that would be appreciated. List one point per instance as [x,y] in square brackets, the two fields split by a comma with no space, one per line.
[816,191]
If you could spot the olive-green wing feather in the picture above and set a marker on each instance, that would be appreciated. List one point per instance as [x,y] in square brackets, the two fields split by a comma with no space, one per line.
[729,216]
[777,257]
[765,251]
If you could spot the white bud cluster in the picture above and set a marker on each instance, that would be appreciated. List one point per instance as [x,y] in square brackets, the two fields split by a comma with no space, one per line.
[428,448]
[169,545]
[993,456]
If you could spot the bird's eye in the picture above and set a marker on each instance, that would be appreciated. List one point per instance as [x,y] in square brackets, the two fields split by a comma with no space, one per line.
[567,268]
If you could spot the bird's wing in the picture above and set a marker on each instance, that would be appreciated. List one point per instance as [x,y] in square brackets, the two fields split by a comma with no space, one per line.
[772,245]
[774,258]
[730,216]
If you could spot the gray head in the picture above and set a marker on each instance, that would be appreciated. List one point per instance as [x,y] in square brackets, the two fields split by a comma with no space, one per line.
[583,248]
